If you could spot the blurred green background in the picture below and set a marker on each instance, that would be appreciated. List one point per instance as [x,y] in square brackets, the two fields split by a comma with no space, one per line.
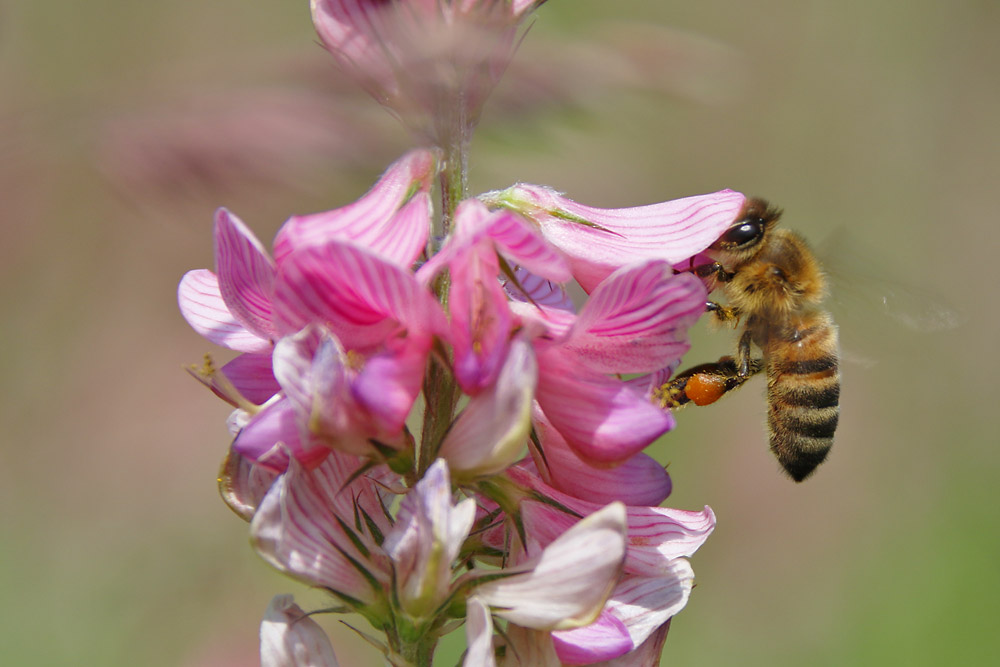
[123,125]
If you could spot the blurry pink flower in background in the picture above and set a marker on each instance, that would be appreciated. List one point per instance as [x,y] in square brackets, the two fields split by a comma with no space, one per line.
[432,62]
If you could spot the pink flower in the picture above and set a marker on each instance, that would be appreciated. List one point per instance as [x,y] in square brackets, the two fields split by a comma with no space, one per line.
[306,527]
[425,541]
[635,321]
[431,61]
[289,638]
[600,240]
[657,579]
[367,355]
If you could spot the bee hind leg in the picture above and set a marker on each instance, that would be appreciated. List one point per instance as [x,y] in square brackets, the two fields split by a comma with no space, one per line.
[706,383]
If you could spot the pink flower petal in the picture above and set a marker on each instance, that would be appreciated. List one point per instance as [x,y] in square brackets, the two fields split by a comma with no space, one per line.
[392,220]
[656,535]
[672,230]
[522,244]
[246,274]
[363,299]
[202,306]
[570,581]
[252,376]
[645,604]
[391,380]
[636,320]
[478,634]
[604,639]
[296,528]
[275,434]
[243,484]
[639,481]
[290,638]
[603,419]
[481,319]
[491,432]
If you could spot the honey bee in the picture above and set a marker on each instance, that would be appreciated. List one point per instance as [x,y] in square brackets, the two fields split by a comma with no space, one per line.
[775,288]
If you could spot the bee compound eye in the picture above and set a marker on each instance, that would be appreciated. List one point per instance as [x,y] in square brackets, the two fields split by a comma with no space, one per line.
[746,231]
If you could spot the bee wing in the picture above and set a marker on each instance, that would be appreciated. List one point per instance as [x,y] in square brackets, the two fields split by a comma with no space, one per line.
[872,307]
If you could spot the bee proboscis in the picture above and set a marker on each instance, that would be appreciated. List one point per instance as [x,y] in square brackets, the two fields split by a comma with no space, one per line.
[775,287]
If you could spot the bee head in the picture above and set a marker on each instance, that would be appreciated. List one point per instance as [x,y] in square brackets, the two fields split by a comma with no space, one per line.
[745,237]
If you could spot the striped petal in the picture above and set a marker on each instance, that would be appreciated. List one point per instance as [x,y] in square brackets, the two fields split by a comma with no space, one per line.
[300,526]
[636,321]
[363,299]
[202,305]
[569,583]
[392,220]
[600,240]
[604,639]
[603,419]
[246,274]
[639,481]
[290,638]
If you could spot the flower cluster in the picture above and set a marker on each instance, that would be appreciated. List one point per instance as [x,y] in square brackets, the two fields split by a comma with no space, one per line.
[430,428]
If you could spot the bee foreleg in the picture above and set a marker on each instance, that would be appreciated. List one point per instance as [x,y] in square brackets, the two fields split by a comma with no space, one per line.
[723,314]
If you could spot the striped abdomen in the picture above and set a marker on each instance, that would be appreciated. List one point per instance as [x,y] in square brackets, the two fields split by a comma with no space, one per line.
[803,391]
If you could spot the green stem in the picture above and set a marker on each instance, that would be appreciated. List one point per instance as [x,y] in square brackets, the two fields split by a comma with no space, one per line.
[440,391]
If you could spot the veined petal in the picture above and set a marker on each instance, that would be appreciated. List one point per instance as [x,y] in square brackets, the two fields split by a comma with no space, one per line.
[202,306]
[656,535]
[519,242]
[492,430]
[296,529]
[392,220]
[246,274]
[481,319]
[636,320]
[274,434]
[289,638]
[243,484]
[253,377]
[570,581]
[603,419]
[639,481]
[538,291]
[391,380]
[529,648]
[363,299]
[604,639]
[425,540]
[478,634]
[599,240]
[645,604]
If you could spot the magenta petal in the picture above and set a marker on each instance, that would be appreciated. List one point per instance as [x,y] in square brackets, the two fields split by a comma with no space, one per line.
[481,319]
[639,481]
[273,434]
[253,377]
[636,320]
[361,297]
[599,240]
[392,220]
[604,639]
[246,273]
[603,419]
[390,382]
[202,306]
[519,242]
